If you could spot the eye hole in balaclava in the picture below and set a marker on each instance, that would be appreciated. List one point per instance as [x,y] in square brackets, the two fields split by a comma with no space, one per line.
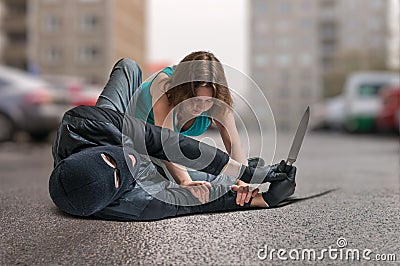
[109,160]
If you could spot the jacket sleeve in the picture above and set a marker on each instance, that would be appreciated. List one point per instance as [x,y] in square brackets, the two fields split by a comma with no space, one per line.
[84,127]
[88,126]
[168,145]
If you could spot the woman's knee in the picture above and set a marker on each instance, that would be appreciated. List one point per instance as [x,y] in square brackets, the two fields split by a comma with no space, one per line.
[128,65]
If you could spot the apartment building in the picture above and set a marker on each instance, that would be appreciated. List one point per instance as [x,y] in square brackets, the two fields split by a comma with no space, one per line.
[75,37]
[85,37]
[294,43]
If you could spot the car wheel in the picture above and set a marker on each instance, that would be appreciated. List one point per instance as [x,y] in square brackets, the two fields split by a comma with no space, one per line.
[39,136]
[6,128]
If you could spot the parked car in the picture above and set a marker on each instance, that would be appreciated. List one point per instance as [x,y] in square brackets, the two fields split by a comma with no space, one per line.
[75,90]
[362,101]
[357,108]
[328,114]
[28,104]
[389,116]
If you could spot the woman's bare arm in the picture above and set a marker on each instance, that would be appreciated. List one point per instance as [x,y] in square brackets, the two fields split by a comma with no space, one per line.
[231,139]
[163,117]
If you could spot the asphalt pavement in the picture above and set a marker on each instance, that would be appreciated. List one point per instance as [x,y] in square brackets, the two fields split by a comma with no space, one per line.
[346,202]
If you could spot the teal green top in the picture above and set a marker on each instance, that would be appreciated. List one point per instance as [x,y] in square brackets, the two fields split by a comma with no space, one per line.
[144,109]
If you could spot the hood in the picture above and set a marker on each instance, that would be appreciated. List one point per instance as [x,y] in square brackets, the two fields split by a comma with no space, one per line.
[84,183]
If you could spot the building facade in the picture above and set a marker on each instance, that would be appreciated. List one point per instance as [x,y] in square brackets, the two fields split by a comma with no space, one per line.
[295,42]
[2,38]
[85,37]
[14,33]
[75,37]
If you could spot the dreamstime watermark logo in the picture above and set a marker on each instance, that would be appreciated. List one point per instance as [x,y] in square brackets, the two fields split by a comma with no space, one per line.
[338,252]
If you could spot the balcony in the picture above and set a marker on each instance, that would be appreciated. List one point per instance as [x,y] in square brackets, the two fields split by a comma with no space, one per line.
[14,51]
[14,24]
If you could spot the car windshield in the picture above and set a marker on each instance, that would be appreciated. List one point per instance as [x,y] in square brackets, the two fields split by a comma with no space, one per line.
[370,90]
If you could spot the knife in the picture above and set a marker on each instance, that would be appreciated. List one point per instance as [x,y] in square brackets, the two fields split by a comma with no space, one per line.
[296,144]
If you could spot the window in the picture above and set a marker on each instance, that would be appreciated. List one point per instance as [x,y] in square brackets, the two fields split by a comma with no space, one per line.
[283,7]
[261,60]
[305,59]
[89,23]
[52,55]
[260,7]
[283,60]
[52,23]
[88,54]
[369,90]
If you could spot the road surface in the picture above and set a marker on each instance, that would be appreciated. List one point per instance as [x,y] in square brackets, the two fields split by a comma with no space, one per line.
[347,198]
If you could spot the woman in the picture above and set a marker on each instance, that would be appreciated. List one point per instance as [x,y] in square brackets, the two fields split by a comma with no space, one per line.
[188,98]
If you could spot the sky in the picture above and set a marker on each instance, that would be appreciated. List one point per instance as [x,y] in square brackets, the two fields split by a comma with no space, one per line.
[179,27]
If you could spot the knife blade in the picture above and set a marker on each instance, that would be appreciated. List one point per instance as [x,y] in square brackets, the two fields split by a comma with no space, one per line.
[298,137]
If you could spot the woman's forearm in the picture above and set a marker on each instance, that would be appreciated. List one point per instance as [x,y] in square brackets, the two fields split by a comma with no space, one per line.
[237,152]
[165,144]
[232,168]
[231,139]
[234,148]
[179,173]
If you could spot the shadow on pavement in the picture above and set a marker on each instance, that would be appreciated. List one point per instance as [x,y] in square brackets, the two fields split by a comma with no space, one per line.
[287,202]
[290,200]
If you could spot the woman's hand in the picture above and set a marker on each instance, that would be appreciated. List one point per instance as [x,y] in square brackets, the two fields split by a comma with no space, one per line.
[199,189]
[244,192]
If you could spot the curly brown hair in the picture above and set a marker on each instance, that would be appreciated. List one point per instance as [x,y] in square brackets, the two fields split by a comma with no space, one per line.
[199,69]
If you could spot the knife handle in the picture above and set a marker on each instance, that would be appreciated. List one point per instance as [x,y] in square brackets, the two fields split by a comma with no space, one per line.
[284,167]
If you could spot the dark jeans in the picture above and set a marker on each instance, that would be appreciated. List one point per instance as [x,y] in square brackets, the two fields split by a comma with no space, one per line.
[125,78]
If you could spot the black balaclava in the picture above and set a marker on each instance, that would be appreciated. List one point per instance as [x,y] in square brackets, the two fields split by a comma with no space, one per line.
[83,184]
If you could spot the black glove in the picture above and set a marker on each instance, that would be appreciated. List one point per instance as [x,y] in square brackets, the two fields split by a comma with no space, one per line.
[278,191]
[255,162]
[283,167]
[258,175]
